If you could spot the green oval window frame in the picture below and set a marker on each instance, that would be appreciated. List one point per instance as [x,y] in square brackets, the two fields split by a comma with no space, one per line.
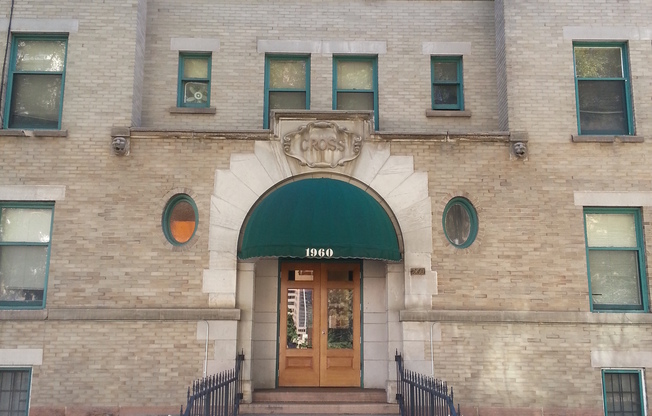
[167,212]
[473,219]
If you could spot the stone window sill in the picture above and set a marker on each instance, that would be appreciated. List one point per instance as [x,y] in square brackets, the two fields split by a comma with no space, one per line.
[33,133]
[447,113]
[192,110]
[580,138]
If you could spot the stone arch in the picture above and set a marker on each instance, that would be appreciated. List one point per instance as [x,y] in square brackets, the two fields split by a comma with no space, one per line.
[391,178]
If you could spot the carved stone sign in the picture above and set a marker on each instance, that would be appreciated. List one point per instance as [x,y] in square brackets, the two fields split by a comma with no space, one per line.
[322,144]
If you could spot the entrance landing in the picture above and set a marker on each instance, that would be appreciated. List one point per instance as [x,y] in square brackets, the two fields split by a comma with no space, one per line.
[319,401]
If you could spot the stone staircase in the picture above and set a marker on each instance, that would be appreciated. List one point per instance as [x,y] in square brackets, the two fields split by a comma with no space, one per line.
[319,401]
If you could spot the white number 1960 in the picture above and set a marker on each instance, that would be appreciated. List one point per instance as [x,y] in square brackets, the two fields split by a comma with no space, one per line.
[319,252]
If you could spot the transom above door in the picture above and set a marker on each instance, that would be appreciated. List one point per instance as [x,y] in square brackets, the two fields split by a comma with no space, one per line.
[319,325]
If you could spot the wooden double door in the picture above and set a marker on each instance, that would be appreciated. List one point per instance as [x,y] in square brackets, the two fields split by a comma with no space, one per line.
[319,325]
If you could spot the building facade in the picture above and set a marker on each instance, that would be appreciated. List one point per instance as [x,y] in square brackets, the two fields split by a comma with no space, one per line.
[320,185]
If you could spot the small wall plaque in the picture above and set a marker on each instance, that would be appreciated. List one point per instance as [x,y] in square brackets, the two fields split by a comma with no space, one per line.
[418,271]
[322,144]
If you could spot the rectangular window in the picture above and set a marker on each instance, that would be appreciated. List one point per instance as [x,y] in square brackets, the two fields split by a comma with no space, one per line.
[602,89]
[287,84]
[35,82]
[447,85]
[615,259]
[25,231]
[194,80]
[623,393]
[14,391]
[355,84]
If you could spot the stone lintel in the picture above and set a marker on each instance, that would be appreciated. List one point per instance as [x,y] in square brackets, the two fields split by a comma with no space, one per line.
[511,317]
[21,356]
[612,199]
[99,314]
[623,358]
[40,25]
[32,192]
[195,44]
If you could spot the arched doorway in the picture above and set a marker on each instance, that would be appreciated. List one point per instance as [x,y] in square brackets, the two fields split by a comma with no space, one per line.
[321,229]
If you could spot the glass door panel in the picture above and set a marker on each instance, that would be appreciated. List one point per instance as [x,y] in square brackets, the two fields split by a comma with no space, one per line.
[340,318]
[299,329]
[299,332]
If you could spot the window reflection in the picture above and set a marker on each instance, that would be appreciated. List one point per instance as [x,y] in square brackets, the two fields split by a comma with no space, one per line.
[340,318]
[299,318]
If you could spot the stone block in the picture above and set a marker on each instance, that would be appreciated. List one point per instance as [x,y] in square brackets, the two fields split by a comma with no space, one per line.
[264,350]
[226,215]
[219,281]
[249,170]
[374,269]
[393,173]
[230,188]
[375,351]
[375,332]
[375,374]
[372,158]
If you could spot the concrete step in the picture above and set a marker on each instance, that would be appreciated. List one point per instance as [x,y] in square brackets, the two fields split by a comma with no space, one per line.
[319,414]
[307,408]
[323,395]
[319,402]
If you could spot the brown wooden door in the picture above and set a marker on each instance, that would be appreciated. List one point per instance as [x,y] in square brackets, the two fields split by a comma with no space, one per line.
[319,325]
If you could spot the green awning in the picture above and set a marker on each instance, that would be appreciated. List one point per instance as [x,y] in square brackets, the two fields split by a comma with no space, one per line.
[340,219]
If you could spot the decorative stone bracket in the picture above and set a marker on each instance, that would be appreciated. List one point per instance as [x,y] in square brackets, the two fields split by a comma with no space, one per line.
[120,140]
[518,145]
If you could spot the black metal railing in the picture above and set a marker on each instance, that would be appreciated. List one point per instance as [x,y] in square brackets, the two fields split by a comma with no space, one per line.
[421,395]
[216,395]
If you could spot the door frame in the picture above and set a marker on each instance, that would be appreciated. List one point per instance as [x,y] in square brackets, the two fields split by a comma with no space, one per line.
[359,262]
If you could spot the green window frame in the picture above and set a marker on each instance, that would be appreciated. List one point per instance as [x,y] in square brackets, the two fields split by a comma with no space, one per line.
[602,89]
[35,82]
[460,222]
[623,392]
[615,262]
[25,243]
[180,220]
[285,87]
[194,88]
[446,76]
[14,391]
[355,84]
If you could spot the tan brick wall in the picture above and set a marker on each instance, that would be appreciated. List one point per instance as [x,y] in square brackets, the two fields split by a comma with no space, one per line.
[530,252]
[404,72]
[540,74]
[110,363]
[539,367]
[108,250]
[100,62]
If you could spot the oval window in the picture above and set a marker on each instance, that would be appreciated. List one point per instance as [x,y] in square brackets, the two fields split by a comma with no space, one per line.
[180,219]
[460,222]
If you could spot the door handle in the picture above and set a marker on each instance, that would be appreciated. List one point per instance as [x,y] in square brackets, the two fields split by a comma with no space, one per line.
[323,332]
